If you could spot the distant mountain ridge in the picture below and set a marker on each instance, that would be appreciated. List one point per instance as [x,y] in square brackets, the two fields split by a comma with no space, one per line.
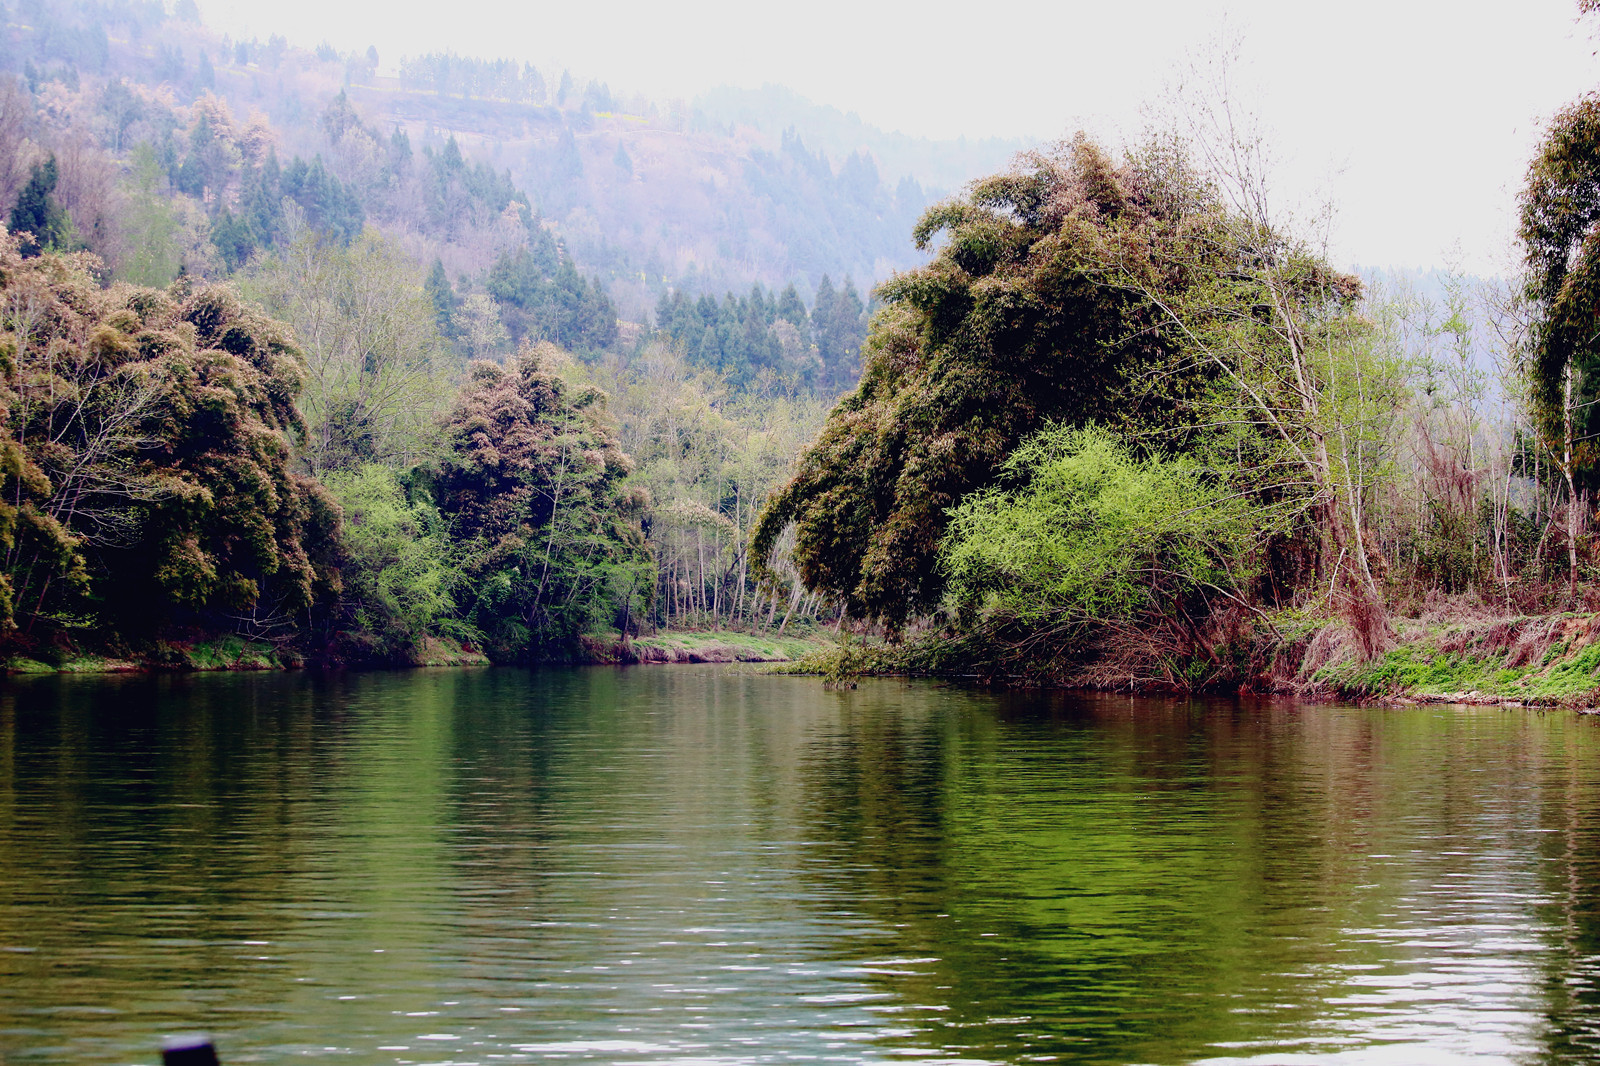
[738,188]
[940,166]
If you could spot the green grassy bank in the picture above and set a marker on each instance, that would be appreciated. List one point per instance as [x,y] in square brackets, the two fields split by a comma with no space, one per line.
[1532,660]
[704,646]
[235,653]
[1545,660]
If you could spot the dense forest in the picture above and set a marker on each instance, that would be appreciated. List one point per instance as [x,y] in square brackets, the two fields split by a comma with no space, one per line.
[329,381]
[1133,427]
[312,387]
[1130,427]
[181,465]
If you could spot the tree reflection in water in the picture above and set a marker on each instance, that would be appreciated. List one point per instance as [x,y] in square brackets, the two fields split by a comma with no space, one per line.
[627,865]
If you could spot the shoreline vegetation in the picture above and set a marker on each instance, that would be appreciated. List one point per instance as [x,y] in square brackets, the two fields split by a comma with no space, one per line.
[1451,656]
[238,654]
[306,394]
[1130,429]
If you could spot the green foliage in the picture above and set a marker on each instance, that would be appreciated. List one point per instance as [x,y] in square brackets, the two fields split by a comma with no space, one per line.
[151,225]
[838,322]
[841,664]
[228,653]
[38,215]
[148,457]
[1073,290]
[396,559]
[545,298]
[721,645]
[1563,676]
[234,173]
[547,531]
[709,459]
[1576,675]
[1079,532]
[1442,550]
[758,340]
[442,296]
[1012,325]
[329,205]
[1560,233]
[458,196]
[372,349]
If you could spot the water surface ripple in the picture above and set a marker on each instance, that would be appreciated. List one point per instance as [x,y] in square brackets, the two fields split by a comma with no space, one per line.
[707,865]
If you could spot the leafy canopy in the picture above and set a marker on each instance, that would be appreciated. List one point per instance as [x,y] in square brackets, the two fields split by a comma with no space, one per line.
[549,534]
[1560,232]
[1082,532]
[1022,318]
[147,456]
[395,558]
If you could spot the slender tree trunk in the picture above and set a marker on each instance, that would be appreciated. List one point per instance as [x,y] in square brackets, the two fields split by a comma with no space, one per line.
[744,561]
[794,599]
[1572,494]
[716,578]
[700,557]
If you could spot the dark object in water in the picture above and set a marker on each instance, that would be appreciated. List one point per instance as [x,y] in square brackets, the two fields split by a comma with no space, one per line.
[192,1049]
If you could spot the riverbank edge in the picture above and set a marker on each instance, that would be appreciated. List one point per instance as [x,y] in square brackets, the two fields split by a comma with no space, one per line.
[700,646]
[1454,656]
[239,654]
[1538,661]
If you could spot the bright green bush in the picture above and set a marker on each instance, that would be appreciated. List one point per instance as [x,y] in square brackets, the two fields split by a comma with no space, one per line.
[1080,531]
[396,569]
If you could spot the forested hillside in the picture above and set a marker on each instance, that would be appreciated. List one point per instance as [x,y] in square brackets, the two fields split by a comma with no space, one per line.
[1132,427]
[735,188]
[647,196]
[480,359]
[226,274]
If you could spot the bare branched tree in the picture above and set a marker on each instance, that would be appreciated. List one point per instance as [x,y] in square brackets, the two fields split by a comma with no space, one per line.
[1277,325]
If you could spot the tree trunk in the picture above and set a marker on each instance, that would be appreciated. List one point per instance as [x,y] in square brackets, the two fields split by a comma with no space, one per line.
[1572,494]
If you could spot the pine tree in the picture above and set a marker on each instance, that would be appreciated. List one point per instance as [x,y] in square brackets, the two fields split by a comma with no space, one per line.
[443,298]
[231,235]
[791,309]
[846,328]
[262,201]
[822,314]
[38,214]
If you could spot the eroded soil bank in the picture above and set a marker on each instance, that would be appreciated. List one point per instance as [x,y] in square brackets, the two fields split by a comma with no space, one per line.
[1550,660]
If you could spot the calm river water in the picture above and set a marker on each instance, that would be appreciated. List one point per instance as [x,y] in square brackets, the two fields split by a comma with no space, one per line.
[707,865]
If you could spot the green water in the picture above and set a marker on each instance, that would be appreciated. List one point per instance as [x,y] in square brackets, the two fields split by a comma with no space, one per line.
[706,865]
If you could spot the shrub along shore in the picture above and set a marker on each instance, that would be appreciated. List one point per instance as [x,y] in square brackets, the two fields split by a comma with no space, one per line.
[1450,656]
[238,653]
[1453,655]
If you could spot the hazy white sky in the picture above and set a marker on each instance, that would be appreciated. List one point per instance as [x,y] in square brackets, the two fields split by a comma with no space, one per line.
[1417,117]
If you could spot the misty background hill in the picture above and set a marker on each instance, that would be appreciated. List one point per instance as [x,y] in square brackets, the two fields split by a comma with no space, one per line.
[739,187]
